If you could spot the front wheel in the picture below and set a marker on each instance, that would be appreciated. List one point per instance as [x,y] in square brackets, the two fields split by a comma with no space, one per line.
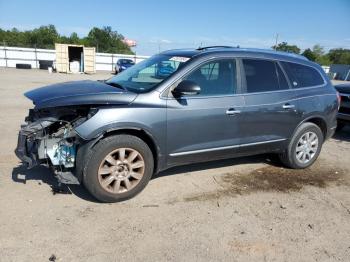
[118,168]
[304,147]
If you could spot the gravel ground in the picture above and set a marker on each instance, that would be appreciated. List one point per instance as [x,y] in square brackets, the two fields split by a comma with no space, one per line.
[245,209]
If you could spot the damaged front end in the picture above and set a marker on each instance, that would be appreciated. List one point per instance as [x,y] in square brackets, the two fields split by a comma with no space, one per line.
[49,138]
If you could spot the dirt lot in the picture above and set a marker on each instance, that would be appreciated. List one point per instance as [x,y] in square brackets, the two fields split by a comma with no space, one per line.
[247,209]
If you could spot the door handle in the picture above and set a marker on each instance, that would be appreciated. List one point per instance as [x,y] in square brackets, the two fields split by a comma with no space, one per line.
[232,111]
[288,106]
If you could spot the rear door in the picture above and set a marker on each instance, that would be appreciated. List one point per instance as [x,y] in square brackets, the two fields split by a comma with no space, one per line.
[206,126]
[89,60]
[269,115]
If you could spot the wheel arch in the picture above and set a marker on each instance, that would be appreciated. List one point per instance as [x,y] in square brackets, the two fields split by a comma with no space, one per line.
[319,121]
[137,132]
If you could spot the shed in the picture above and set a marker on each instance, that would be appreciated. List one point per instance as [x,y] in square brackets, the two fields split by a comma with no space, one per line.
[75,58]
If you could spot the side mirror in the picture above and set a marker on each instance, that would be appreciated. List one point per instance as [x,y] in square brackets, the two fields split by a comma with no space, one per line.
[186,87]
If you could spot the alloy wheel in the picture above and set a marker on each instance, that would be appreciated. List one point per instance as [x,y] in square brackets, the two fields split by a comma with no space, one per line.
[306,147]
[121,170]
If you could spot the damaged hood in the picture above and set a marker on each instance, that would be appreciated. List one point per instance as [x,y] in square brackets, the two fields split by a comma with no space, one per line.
[79,93]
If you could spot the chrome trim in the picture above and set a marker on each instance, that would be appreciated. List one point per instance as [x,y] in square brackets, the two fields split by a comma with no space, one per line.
[288,106]
[224,147]
[292,99]
[269,104]
[232,112]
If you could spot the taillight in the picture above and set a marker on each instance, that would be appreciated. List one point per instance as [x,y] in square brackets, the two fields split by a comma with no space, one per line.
[339,99]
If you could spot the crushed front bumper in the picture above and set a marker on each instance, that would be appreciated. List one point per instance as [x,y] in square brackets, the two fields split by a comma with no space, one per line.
[35,146]
[27,144]
[27,156]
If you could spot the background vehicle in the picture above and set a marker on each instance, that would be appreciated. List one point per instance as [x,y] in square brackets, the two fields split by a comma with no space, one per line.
[218,102]
[344,110]
[123,64]
[165,69]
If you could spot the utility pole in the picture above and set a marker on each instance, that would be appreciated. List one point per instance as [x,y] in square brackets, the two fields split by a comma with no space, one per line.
[36,57]
[276,41]
[5,53]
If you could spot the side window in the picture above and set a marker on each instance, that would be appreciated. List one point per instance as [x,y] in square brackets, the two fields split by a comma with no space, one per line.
[263,75]
[216,78]
[302,76]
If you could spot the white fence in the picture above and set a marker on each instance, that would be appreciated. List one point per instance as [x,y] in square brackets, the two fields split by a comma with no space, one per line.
[10,56]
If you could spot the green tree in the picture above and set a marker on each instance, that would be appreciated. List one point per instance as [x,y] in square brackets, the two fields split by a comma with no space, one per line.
[44,37]
[74,39]
[309,54]
[104,39]
[318,50]
[107,40]
[284,46]
[324,60]
[321,57]
[339,56]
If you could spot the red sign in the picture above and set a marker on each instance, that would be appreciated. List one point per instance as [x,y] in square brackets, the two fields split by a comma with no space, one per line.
[129,42]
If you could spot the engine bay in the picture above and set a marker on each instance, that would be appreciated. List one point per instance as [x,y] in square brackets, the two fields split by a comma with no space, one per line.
[48,138]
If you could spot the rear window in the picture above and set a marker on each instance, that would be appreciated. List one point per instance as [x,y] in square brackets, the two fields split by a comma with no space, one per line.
[263,75]
[302,76]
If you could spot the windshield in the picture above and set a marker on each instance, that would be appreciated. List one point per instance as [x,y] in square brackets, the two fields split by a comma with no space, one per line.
[146,75]
[126,62]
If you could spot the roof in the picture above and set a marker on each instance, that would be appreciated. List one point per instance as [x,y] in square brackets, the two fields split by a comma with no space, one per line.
[214,50]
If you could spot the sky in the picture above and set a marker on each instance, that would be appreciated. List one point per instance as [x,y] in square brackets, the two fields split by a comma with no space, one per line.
[161,25]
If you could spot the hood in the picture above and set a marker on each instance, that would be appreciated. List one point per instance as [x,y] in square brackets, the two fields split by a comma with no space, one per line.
[343,88]
[79,93]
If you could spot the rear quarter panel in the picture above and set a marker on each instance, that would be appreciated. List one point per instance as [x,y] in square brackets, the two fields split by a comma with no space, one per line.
[318,102]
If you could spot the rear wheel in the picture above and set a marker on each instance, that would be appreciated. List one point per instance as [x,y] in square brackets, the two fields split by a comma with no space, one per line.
[304,147]
[118,168]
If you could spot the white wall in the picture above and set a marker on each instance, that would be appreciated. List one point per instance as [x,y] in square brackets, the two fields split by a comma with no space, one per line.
[19,55]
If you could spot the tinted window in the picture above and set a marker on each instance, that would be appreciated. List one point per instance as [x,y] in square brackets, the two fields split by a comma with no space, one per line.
[263,75]
[302,76]
[216,78]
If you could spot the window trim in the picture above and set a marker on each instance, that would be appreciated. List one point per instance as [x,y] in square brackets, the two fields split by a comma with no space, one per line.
[164,93]
[285,74]
[277,64]
[312,86]
[167,94]
[244,79]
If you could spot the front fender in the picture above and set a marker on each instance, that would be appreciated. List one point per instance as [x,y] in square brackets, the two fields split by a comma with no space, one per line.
[149,119]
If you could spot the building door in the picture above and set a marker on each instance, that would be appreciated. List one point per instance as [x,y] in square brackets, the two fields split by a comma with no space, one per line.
[89,60]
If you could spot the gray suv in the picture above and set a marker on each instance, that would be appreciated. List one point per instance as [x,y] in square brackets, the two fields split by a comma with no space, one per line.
[176,108]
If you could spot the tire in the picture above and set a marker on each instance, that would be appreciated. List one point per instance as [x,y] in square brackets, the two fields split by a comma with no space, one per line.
[23,66]
[289,157]
[340,126]
[105,156]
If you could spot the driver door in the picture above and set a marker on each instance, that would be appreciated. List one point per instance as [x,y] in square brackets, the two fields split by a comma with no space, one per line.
[206,126]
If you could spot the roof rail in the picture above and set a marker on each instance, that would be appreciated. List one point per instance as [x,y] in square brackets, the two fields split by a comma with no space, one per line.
[214,46]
